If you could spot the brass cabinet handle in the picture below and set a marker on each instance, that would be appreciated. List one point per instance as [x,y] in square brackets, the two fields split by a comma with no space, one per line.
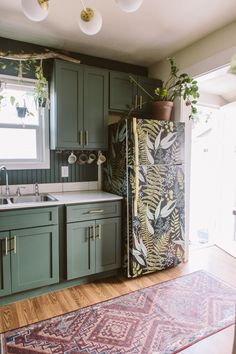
[95,211]
[99,235]
[14,245]
[141,102]
[86,137]
[6,246]
[92,233]
[136,101]
[80,137]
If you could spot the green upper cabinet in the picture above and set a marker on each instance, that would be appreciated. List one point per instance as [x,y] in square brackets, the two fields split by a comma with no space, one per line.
[79,107]
[95,108]
[122,92]
[125,95]
[67,106]
[144,103]
[5,273]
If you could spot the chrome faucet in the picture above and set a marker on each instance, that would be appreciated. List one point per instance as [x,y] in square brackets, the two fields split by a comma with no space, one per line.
[3,168]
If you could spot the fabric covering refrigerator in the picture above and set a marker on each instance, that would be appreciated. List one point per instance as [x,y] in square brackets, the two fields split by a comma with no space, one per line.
[145,165]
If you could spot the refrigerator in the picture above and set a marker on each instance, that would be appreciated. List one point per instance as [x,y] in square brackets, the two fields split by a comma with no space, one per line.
[145,165]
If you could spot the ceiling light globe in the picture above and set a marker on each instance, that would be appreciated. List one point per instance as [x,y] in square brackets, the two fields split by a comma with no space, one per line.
[129,5]
[90,21]
[33,10]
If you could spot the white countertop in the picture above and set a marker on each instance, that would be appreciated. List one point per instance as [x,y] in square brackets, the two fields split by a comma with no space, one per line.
[75,197]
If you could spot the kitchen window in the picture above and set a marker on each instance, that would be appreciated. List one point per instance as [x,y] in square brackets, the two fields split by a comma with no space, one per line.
[24,141]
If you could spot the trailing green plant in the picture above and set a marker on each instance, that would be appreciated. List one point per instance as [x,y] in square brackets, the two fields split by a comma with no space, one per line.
[176,86]
[22,110]
[22,63]
[41,87]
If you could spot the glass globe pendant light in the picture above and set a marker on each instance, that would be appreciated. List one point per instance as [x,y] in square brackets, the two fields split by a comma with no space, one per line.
[129,5]
[35,10]
[90,20]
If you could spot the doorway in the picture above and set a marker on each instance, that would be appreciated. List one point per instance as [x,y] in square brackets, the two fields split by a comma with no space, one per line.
[213,164]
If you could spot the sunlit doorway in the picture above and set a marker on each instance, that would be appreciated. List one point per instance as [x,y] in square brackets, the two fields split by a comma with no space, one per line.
[213,164]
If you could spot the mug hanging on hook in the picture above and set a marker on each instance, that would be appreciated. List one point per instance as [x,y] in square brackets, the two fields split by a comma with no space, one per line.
[72,158]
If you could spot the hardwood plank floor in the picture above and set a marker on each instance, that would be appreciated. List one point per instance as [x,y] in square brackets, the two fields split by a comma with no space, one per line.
[211,259]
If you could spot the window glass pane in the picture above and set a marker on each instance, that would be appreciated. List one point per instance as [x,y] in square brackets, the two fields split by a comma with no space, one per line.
[23,95]
[17,143]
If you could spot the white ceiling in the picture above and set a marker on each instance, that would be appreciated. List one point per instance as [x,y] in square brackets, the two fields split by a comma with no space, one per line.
[157,29]
[220,83]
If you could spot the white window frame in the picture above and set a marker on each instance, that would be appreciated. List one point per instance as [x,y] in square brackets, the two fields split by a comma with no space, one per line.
[42,137]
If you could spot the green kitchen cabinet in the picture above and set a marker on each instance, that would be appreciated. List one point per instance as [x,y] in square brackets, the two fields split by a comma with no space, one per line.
[66,119]
[79,107]
[108,244]
[93,247]
[144,103]
[34,260]
[5,274]
[122,92]
[93,238]
[125,95]
[95,108]
[80,249]
[29,249]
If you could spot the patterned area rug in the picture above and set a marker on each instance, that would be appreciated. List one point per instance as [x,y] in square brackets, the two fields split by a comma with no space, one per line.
[161,319]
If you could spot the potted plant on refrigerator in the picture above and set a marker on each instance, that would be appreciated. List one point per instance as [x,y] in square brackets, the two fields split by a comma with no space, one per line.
[176,86]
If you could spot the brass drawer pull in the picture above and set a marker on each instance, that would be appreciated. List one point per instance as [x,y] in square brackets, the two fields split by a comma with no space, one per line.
[14,245]
[92,233]
[99,235]
[86,137]
[80,137]
[141,102]
[96,211]
[136,101]
[6,246]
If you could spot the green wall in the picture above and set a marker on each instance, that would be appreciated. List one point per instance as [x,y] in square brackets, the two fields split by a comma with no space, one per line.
[77,173]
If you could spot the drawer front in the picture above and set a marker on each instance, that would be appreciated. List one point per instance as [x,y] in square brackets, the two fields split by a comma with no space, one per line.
[18,219]
[83,212]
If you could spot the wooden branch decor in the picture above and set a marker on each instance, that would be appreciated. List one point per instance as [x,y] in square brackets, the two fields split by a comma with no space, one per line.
[37,56]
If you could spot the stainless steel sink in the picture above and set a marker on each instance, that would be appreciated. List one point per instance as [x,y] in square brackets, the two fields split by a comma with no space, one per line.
[31,198]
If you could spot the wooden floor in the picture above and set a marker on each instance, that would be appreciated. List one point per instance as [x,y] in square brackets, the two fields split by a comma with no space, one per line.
[43,307]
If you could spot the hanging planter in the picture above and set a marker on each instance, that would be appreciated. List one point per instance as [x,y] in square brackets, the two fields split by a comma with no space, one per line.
[29,61]
[21,112]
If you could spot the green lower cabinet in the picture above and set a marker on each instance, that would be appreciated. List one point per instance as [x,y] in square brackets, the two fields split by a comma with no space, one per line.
[5,273]
[93,247]
[108,244]
[34,257]
[80,249]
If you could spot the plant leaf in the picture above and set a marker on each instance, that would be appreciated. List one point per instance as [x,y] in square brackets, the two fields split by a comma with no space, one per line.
[149,214]
[141,178]
[168,140]
[149,226]
[143,248]
[168,208]
[149,156]
[157,212]
[158,139]
[149,143]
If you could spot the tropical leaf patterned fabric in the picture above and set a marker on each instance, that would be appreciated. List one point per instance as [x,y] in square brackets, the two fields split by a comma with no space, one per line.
[154,235]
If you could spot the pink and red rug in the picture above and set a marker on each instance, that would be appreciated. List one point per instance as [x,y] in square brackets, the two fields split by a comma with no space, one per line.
[161,319]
